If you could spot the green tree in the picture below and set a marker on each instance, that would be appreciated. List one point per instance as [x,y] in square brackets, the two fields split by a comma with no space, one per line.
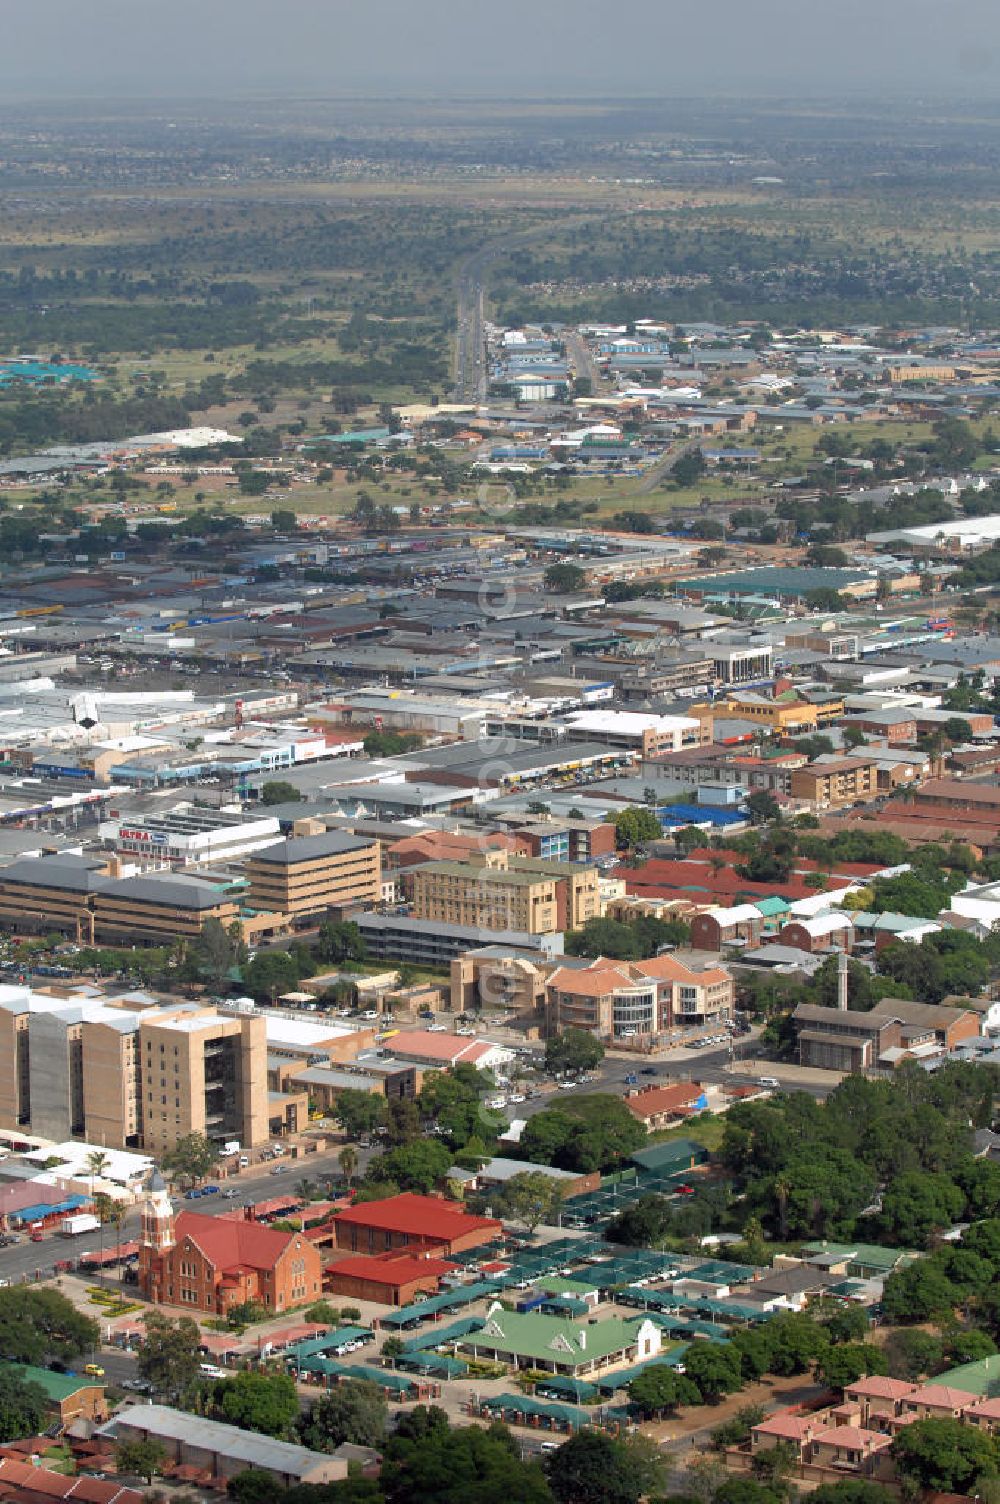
[714,1369]
[24,1406]
[261,1402]
[529,1198]
[913,1354]
[39,1325]
[594,1468]
[565,579]
[849,1324]
[348,1161]
[340,941]
[354,1411]
[642,1224]
[852,1491]
[605,937]
[360,1112]
[428,1459]
[917,1205]
[253,1486]
[191,1159]
[635,825]
[921,1292]
[588,1133]
[270,973]
[212,953]
[97,1163]
[418,1167]
[763,807]
[573,1051]
[658,1391]
[279,791]
[169,1355]
[849,1361]
[144,1457]
[944,1455]
[736,1431]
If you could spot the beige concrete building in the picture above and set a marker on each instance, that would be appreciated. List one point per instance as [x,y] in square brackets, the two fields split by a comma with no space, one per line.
[133,1077]
[307,875]
[502,892]
[112,1094]
[841,781]
[203,1072]
[495,978]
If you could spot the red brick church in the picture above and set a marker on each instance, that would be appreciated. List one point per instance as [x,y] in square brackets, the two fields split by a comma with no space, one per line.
[209,1264]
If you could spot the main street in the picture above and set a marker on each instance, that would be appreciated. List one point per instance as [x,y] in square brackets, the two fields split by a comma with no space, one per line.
[713,1065]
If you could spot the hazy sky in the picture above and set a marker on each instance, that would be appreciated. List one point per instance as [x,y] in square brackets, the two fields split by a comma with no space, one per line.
[143,48]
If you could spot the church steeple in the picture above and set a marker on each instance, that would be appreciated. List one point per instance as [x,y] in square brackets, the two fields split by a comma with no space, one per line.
[157,1216]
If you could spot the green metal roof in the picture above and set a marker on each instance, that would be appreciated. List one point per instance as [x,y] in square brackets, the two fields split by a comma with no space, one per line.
[58,1386]
[982,1378]
[552,1338]
[773,905]
[719,1272]
[673,1152]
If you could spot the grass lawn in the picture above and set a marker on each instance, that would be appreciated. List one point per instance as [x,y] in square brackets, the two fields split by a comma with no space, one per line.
[707,1129]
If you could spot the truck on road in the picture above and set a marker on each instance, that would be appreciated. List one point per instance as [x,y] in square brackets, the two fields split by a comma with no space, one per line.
[71,1227]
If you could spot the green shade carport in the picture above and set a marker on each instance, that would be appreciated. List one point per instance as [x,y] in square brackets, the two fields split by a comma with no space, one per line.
[310,1346]
[611,1383]
[573,1389]
[427,1310]
[433,1365]
[441,1336]
[524,1408]
[397,1382]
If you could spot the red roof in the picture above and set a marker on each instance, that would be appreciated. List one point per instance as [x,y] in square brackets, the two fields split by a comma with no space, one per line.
[42,1480]
[391,1269]
[652,1100]
[418,1216]
[662,879]
[232,1245]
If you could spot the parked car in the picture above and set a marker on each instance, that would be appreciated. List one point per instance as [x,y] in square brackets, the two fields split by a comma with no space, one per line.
[648,1070]
[278,1169]
[210,1190]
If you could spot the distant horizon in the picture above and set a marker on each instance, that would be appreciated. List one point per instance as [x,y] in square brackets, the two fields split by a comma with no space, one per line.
[553,49]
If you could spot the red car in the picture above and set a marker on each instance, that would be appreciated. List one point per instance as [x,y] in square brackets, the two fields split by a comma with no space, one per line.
[685,1190]
[36,1237]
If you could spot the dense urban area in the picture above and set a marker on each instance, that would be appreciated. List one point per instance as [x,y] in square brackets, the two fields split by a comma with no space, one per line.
[499,805]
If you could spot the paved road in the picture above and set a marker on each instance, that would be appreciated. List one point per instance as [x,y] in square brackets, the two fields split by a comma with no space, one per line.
[584,363]
[256,1184]
[660,470]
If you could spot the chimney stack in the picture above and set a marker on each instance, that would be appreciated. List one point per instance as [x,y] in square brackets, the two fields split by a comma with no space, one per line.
[842,978]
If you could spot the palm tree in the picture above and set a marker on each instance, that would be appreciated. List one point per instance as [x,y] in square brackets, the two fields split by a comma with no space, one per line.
[97,1163]
[782,1191]
[348,1159]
